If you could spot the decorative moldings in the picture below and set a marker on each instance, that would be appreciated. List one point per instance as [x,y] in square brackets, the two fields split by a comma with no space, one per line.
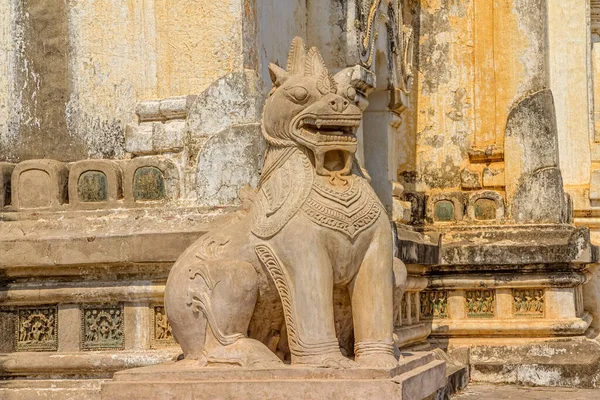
[162,334]
[528,302]
[102,327]
[595,16]
[368,31]
[37,328]
[39,184]
[434,304]
[350,211]
[480,303]
[6,170]
[404,309]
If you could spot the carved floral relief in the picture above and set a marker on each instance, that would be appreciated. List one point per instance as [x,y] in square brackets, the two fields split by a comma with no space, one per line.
[102,327]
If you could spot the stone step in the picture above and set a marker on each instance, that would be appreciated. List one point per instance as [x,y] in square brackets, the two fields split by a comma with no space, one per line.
[574,363]
[418,376]
[67,389]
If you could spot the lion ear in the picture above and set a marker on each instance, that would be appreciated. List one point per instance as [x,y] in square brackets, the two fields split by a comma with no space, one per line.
[278,74]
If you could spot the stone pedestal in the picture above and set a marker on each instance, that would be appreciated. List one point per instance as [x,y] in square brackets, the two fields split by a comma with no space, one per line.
[418,376]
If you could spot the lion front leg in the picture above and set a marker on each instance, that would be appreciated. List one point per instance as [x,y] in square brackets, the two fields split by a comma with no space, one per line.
[371,294]
[305,286]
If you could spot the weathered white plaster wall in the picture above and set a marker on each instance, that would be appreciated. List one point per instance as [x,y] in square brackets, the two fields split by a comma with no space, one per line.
[569,39]
[118,53]
[279,22]
[11,40]
[5,67]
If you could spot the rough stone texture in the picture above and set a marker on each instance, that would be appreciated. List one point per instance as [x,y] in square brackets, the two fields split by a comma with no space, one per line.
[223,137]
[57,389]
[513,392]
[73,76]
[418,376]
[229,160]
[572,86]
[568,364]
[535,190]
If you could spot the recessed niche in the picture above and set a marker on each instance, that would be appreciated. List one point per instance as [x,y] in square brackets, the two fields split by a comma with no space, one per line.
[92,187]
[148,184]
[485,209]
[444,211]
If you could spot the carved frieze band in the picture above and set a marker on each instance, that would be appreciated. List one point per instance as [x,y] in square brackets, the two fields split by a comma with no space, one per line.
[102,327]
[528,303]
[37,328]
[434,304]
[480,303]
[162,334]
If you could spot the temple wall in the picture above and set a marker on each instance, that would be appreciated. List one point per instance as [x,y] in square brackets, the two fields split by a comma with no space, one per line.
[81,68]
[127,128]
[571,82]
[274,38]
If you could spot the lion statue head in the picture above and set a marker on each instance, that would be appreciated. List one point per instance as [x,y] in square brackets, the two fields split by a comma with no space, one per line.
[312,109]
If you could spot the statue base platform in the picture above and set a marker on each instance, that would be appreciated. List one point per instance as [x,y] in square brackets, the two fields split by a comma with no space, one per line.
[417,376]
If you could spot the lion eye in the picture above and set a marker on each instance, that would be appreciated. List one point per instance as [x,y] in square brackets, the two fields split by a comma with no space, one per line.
[298,93]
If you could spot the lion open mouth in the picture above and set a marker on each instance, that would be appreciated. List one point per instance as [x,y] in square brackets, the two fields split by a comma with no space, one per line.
[332,140]
[329,131]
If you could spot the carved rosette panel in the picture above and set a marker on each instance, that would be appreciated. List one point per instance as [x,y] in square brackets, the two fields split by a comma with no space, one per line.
[434,304]
[37,328]
[162,334]
[102,327]
[480,303]
[528,303]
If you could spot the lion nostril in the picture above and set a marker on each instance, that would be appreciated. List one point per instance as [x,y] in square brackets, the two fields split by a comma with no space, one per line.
[332,102]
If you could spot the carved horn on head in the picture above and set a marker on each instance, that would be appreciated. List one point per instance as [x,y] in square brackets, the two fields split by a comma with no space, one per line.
[314,64]
[295,62]
[278,74]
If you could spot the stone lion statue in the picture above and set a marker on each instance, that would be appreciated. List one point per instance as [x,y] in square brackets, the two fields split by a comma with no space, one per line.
[261,287]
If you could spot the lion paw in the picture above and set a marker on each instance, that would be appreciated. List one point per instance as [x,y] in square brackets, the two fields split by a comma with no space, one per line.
[386,361]
[337,361]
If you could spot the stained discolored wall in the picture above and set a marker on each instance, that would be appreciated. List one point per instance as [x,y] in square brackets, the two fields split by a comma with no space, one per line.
[441,113]
[40,86]
[73,71]
[478,64]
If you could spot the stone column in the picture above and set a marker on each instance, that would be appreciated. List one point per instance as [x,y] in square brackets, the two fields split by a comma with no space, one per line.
[534,188]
